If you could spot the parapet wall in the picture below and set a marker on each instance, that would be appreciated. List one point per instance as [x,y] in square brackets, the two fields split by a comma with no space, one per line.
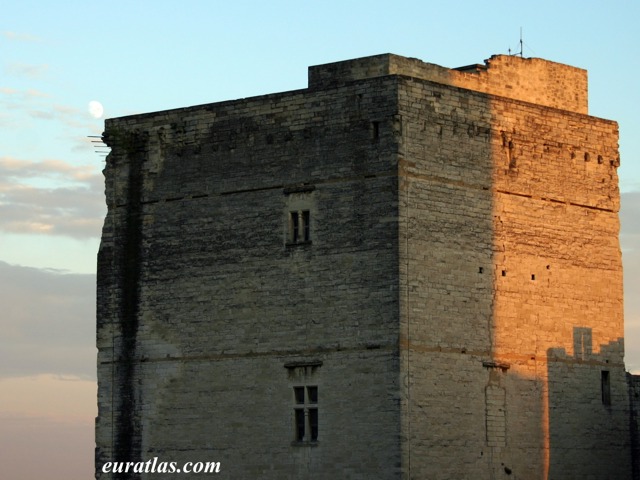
[531,80]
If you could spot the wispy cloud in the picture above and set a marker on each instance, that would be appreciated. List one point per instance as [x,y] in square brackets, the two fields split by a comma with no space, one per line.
[50,197]
[27,70]
[69,116]
[15,105]
[28,106]
[25,95]
[20,37]
[9,91]
[55,168]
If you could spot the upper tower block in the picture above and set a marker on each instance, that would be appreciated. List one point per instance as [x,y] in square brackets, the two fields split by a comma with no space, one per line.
[531,80]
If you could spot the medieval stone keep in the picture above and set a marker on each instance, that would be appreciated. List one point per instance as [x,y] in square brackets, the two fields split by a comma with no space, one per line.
[403,271]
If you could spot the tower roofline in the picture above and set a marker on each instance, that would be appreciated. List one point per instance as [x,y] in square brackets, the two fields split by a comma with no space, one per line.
[533,80]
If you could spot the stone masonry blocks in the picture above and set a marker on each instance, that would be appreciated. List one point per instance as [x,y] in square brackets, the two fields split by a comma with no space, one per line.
[403,271]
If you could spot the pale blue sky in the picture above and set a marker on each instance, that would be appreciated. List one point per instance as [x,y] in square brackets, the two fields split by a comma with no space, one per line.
[140,56]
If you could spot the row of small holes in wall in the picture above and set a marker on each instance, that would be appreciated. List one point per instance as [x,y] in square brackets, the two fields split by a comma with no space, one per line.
[587,155]
[587,158]
[504,272]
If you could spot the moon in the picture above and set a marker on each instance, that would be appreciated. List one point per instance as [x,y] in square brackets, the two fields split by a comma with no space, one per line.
[95,109]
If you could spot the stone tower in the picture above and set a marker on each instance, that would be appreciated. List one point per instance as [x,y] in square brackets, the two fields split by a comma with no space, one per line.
[403,271]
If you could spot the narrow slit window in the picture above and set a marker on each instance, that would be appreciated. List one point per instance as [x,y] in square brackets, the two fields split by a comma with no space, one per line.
[605,386]
[300,424]
[313,424]
[294,227]
[306,228]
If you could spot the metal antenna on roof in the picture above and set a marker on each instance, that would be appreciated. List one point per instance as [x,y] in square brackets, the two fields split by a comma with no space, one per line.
[521,44]
[521,52]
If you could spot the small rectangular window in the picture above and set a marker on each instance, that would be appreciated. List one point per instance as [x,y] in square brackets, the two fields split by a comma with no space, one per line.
[605,386]
[313,424]
[375,130]
[305,225]
[306,413]
[312,393]
[299,227]
[294,227]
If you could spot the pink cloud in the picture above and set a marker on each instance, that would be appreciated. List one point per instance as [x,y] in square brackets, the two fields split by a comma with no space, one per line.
[51,197]
[20,37]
